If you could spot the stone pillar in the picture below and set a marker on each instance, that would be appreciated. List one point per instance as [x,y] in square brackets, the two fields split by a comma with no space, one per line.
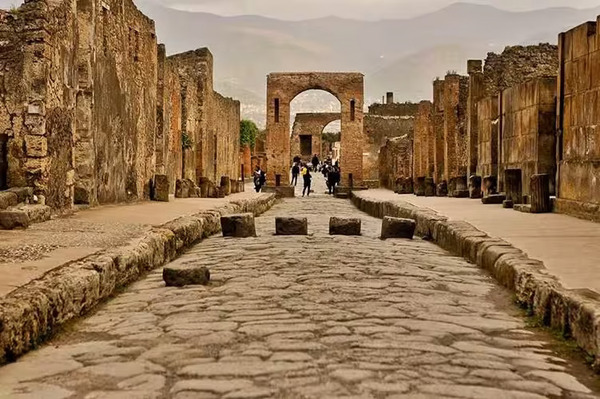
[476,93]
[438,131]
[455,133]
[226,185]
[540,194]
[513,185]
[352,140]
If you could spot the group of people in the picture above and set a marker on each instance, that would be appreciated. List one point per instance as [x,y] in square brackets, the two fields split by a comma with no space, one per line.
[331,172]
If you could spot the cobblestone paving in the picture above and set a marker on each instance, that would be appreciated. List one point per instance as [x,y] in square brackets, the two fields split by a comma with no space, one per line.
[305,317]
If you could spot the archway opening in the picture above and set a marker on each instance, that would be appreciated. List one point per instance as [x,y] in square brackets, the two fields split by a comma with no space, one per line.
[311,112]
[331,139]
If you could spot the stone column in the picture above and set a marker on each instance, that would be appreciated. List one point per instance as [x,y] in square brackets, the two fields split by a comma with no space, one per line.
[351,156]
[438,131]
[476,93]
[540,194]
[513,185]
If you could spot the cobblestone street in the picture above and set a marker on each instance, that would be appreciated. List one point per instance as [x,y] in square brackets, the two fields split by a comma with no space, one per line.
[305,317]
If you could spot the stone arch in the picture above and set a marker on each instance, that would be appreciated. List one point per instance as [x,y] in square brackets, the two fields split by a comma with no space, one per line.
[282,88]
[311,124]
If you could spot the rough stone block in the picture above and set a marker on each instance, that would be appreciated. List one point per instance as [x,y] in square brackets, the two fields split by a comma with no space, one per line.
[291,226]
[475,187]
[490,184]
[239,226]
[420,187]
[522,208]
[344,227]
[24,194]
[180,276]
[160,188]
[8,199]
[397,228]
[37,213]
[540,194]
[429,187]
[508,204]
[513,185]
[460,194]
[494,199]
[10,220]
[404,186]
[442,189]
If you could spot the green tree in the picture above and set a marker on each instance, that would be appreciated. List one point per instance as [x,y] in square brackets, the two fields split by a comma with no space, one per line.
[248,133]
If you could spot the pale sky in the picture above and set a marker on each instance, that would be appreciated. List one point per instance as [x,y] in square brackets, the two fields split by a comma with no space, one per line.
[355,9]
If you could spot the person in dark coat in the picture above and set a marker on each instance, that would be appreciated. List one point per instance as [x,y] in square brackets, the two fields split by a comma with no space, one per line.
[315,162]
[295,173]
[333,179]
[259,179]
[306,176]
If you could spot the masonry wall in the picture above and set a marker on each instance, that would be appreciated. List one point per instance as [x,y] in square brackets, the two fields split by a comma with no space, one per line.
[528,136]
[390,121]
[395,161]
[438,130]
[579,118]
[455,128]
[488,124]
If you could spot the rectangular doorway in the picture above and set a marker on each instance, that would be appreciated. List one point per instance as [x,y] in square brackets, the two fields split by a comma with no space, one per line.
[305,145]
[3,161]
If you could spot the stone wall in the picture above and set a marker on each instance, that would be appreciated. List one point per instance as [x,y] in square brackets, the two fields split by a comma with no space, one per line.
[93,109]
[395,161]
[388,121]
[488,121]
[438,130]
[579,117]
[311,124]
[518,64]
[528,136]
[423,146]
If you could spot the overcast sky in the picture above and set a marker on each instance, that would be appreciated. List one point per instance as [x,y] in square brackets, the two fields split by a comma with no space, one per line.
[356,9]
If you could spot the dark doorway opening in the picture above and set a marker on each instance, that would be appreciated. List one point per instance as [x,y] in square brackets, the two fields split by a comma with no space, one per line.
[305,145]
[3,161]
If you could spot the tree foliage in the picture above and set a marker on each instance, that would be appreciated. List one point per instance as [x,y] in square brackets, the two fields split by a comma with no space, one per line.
[248,133]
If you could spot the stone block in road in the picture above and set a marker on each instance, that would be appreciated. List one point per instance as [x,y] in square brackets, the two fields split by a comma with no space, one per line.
[291,226]
[240,226]
[344,227]
[10,220]
[180,276]
[397,228]
[493,199]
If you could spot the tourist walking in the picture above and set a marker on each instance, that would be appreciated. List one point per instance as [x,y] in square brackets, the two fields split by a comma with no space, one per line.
[295,173]
[333,179]
[259,179]
[315,162]
[306,176]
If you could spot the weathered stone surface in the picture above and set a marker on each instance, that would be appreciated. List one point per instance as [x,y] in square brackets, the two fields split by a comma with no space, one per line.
[226,185]
[288,226]
[397,228]
[494,199]
[539,188]
[160,188]
[420,187]
[240,226]
[347,227]
[37,213]
[442,189]
[429,187]
[10,220]
[280,191]
[180,276]
[475,187]
[24,194]
[508,204]
[8,199]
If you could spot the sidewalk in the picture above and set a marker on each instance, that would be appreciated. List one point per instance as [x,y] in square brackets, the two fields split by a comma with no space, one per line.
[569,247]
[26,255]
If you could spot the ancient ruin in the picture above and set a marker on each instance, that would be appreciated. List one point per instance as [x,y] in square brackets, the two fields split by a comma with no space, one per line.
[282,88]
[307,134]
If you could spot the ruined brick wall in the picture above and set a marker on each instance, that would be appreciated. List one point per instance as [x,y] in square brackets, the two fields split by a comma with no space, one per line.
[423,144]
[518,64]
[488,125]
[395,161]
[209,120]
[310,124]
[38,95]
[456,89]
[476,94]
[391,120]
[528,136]
[579,119]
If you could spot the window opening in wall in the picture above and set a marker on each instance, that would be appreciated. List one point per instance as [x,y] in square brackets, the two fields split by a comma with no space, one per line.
[3,162]
[276,110]
[306,145]
[352,110]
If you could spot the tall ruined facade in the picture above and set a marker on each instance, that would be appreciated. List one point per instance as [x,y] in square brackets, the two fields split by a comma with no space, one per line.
[578,154]
[92,109]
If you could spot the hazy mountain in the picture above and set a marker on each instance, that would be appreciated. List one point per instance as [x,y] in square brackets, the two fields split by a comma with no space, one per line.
[400,55]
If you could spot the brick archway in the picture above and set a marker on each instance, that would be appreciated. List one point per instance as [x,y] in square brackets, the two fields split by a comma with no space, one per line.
[312,125]
[282,88]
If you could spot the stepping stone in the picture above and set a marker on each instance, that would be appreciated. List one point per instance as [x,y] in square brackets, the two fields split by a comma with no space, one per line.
[344,227]
[397,228]
[180,276]
[240,226]
[291,226]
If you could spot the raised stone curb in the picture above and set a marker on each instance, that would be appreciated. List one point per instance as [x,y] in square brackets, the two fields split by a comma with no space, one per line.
[575,313]
[33,312]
